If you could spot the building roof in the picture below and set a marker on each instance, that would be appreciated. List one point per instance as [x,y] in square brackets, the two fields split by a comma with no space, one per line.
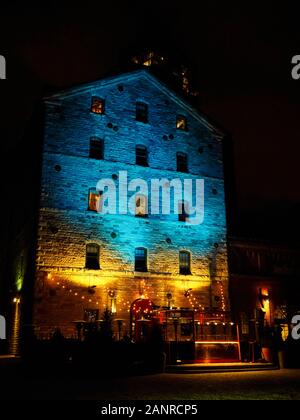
[131,76]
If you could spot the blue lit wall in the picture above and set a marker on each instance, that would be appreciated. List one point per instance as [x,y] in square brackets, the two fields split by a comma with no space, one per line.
[66,226]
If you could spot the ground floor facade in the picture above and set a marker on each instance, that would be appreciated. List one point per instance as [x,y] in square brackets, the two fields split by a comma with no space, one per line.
[203,316]
[192,312]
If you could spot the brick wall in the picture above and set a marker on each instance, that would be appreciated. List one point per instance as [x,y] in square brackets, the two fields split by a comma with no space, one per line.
[66,225]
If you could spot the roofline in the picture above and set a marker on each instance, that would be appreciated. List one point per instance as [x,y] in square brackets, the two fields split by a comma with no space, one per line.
[82,87]
[69,92]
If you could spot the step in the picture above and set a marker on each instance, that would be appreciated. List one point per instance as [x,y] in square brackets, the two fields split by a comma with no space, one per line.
[219,367]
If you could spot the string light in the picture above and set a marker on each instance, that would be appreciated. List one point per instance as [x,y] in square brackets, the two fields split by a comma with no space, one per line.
[146,290]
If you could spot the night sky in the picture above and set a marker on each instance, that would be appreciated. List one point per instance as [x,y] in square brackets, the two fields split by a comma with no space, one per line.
[242,61]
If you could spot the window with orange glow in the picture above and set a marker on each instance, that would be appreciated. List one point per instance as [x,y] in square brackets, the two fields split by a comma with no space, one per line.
[181,123]
[98,105]
[141,206]
[94,200]
[284,331]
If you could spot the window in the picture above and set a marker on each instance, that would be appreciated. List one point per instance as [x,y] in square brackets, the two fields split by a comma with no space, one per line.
[98,105]
[244,323]
[182,211]
[141,206]
[92,256]
[141,112]
[181,123]
[96,148]
[284,331]
[94,200]
[184,262]
[182,163]
[140,259]
[141,156]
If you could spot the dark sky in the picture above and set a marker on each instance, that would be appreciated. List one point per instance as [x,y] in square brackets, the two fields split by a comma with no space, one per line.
[242,61]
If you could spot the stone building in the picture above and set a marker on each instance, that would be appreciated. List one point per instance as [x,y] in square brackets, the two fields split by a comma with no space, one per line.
[264,287]
[137,264]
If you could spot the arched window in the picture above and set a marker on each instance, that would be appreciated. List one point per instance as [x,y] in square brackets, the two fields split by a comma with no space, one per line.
[141,155]
[182,162]
[98,105]
[184,262]
[96,148]
[94,203]
[92,256]
[141,206]
[181,123]
[141,112]
[140,260]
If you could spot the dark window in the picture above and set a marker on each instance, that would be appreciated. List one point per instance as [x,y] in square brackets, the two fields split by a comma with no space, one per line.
[141,206]
[98,105]
[182,162]
[141,155]
[92,256]
[182,211]
[94,203]
[181,123]
[141,112]
[140,259]
[184,262]
[96,148]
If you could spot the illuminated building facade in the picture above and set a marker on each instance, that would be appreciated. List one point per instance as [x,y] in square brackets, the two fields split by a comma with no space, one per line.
[138,265]
[264,288]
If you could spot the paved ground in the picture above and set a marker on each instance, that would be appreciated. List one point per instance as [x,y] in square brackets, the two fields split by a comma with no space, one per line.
[278,384]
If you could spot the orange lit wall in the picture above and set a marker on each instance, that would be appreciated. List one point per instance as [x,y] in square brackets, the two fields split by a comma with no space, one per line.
[63,284]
